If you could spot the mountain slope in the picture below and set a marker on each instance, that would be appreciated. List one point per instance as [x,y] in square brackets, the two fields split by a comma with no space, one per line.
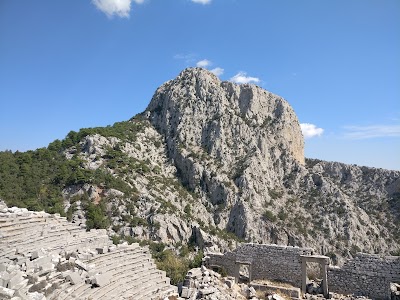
[211,162]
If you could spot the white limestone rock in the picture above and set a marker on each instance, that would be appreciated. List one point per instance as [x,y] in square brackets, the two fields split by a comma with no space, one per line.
[101,279]
[6,293]
[74,278]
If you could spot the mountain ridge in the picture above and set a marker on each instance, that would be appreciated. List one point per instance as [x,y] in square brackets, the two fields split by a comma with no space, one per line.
[211,163]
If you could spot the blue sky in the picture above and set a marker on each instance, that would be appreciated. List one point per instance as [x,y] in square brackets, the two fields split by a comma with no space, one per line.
[69,64]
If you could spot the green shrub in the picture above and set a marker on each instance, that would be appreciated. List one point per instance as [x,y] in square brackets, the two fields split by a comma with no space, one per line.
[116,239]
[184,251]
[35,179]
[222,271]
[333,257]
[395,252]
[282,215]
[269,215]
[188,210]
[96,215]
[197,260]
[354,249]
[274,194]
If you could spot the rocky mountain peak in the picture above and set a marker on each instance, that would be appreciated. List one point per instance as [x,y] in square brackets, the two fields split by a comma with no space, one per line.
[240,150]
[198,110]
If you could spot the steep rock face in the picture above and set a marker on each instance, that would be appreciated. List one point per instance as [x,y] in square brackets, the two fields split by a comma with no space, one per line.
[198,110]
[230,143]
[240,149]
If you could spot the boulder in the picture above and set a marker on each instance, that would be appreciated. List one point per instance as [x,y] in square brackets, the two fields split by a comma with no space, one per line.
[6,293]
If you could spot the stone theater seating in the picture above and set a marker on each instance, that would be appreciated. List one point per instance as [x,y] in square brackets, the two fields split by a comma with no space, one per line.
[43,256]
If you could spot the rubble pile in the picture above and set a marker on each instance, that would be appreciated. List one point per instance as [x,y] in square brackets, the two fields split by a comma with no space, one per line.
[202,283]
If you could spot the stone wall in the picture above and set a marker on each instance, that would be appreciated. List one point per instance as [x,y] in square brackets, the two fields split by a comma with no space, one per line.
[274,262]
[227,261]
[368,275]
[365,275]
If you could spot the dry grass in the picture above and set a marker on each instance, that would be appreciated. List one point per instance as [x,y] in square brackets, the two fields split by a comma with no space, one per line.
[274,283]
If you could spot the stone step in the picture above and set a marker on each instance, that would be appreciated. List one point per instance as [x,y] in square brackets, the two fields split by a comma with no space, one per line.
[6,252]
[117,279]
[136,267]
[124,258]
[143,290]
[118,256]
[153,291]
[120,286]
[66,291]
[15,218]
[23,238]
[132,247]
[52,242]
[101,259]
[79,290]
[156,281]
[16,225]
[59,241]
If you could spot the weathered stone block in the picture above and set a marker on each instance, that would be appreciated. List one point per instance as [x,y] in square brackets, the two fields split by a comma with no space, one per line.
[207,291]
[101,279]
[6,293]
[80,265]
[229,282]
[185,292]
[3,267]
[102,250]
[15,279]
[74,278]
[36,254]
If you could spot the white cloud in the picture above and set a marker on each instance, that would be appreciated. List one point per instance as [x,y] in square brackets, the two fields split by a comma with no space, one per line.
[373,131]
[242,77]
[121,8]
[202,1]
[188,58]
[203,63]
[310,130]
[217,71]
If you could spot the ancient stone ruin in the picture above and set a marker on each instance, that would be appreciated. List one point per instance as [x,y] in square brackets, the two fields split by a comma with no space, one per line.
[365,275]
[44,256]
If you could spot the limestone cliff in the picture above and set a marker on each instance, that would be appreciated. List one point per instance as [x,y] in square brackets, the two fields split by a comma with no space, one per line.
[240,149]
[196,110]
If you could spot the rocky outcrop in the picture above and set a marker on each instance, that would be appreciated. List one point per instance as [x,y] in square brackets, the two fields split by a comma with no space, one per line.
[230,143]
[197,111]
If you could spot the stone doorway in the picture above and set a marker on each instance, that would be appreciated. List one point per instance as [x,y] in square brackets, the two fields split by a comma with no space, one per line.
[243,272]
[323,262]
[314,277]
